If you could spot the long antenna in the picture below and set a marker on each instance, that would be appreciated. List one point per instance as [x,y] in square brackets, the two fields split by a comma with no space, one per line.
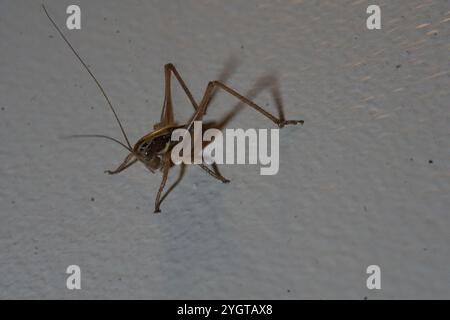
[97,136]
[91,74]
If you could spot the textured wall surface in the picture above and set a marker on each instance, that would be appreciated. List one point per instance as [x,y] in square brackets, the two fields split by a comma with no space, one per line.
[365,181]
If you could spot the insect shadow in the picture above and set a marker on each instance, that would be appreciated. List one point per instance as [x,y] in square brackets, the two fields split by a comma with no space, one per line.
[153,150]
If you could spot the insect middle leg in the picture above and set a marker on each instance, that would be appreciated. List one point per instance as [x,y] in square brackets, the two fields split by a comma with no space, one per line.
[214,172]
[165,168]
[176,182]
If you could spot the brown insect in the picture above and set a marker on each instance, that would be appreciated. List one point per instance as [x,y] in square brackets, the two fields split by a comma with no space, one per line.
[154,149]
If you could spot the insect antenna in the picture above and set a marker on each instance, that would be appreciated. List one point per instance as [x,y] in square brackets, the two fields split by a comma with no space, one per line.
[97,136]
[95,79]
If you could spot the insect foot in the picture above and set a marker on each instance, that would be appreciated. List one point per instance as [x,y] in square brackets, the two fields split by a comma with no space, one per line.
[111,172]
[281,124]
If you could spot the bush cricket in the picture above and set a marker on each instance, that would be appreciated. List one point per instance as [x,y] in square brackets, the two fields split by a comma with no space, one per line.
[153,149]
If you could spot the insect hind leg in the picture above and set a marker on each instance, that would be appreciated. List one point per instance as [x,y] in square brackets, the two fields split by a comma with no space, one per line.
[280,122]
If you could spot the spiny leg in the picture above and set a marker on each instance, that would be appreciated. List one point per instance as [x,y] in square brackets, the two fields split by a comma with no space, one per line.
[124,165]
[229,67]
[203,105]
[216,84]
[260,85]
[166,167]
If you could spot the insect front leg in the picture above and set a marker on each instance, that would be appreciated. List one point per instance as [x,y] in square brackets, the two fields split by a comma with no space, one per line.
[128,162]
